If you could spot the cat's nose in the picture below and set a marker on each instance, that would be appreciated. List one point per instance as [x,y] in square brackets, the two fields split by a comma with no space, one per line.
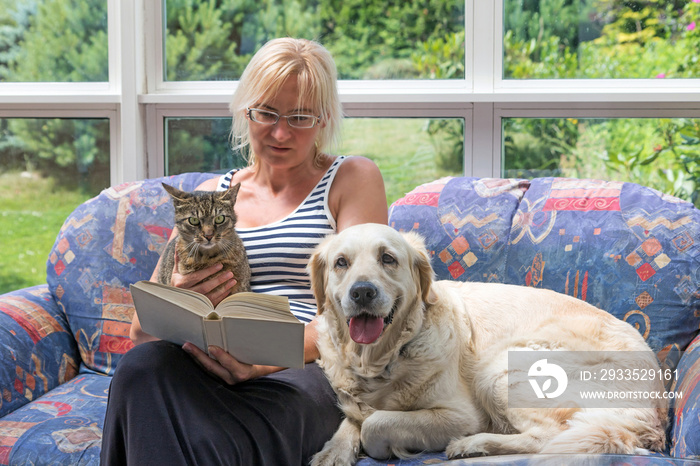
[208,237]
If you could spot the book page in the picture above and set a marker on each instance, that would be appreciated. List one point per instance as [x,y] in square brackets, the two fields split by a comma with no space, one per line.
[257,306]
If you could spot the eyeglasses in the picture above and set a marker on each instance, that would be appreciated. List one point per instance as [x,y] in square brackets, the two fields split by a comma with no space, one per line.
[298,120]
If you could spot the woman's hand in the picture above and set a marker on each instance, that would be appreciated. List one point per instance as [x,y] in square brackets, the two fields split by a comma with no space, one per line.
[226,367]
[230,370]
[216,288]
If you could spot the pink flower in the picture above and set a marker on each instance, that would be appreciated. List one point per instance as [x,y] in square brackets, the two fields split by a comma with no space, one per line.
[661,75]
[696,1]
[691,26]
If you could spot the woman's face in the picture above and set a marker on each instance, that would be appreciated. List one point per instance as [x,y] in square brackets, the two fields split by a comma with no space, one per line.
[281,145]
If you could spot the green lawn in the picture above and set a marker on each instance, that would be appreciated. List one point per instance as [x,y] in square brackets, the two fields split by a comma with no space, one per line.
[32,211]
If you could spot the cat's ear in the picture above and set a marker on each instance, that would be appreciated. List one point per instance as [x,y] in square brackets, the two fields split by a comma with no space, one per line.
[174,192]
[232,193]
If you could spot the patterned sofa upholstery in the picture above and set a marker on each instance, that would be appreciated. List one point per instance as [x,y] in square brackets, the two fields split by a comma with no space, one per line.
[620,246]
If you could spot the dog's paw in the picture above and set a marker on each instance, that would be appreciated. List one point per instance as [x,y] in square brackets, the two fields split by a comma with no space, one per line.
[467,447]
[377,447]
[334,457]
[377,433]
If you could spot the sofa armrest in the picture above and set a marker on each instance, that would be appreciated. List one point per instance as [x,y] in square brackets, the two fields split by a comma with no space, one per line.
[37,350]
[685,435]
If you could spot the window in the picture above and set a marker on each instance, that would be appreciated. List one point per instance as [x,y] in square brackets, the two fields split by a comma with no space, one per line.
[663,153]
[368,40]
[49,166]
[53,41]
[601,39]
[520,85]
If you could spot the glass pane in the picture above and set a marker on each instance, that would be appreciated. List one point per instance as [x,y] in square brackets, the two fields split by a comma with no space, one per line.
[199,145]
[213,41]
[559,39]
[47,168]
[660,153]
[408,151]
[53,41]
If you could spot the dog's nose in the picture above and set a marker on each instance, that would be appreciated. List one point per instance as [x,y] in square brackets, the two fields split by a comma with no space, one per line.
[363,293]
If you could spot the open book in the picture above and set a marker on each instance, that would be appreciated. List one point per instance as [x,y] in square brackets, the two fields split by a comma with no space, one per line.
[254,328]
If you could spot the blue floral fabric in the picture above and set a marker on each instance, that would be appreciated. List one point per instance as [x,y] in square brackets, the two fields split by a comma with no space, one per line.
[622,247]
[105,245]
[59,343]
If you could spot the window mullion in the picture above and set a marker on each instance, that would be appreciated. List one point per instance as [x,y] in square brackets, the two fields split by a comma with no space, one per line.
[130,164]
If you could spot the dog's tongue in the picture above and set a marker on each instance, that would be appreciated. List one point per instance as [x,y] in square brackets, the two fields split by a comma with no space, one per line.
[365,329]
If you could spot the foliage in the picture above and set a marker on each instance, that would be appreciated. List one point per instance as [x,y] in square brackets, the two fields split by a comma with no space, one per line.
[362,33]
[214,39]
[660,153]
[200,144]
[631,39]
[60,41]
[74,152]
[440,57]
[537,147]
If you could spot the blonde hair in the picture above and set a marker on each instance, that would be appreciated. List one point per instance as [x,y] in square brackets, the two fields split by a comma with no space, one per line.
[268,70]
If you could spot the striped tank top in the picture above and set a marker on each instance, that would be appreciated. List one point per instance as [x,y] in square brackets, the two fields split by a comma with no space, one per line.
[279,252]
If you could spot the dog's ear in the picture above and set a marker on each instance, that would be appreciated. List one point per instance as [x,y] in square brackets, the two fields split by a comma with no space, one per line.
[422,266]
[317,271]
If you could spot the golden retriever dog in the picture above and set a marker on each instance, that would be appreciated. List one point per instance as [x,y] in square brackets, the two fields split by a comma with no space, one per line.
[422,365]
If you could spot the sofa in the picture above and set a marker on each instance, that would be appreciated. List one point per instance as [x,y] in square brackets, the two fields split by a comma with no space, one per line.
[622,247]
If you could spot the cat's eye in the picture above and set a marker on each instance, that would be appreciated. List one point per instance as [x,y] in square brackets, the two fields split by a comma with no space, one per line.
[219,219]
[193,221]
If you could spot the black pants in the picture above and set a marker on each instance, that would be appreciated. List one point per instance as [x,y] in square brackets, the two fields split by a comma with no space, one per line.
[164,409]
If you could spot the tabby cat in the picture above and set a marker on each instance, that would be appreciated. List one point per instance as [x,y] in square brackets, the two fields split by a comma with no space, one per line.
[206,223]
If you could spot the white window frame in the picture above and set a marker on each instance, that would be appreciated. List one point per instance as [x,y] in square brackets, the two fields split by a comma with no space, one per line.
[136,99]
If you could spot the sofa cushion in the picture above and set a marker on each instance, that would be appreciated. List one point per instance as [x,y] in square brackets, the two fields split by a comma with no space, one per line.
[466,223]
[623,247]
[106,244]
[62,427]
[37,350]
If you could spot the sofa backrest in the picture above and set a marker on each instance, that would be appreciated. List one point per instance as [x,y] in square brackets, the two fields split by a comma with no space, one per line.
[106,244]
[622,247]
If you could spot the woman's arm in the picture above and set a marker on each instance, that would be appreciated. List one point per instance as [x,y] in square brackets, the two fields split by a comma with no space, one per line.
[357,195]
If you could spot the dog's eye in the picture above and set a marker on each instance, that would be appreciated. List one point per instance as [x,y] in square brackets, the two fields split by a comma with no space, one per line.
[388,259]
[341,262]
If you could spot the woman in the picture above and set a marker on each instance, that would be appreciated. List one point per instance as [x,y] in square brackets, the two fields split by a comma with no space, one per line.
[169,406]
